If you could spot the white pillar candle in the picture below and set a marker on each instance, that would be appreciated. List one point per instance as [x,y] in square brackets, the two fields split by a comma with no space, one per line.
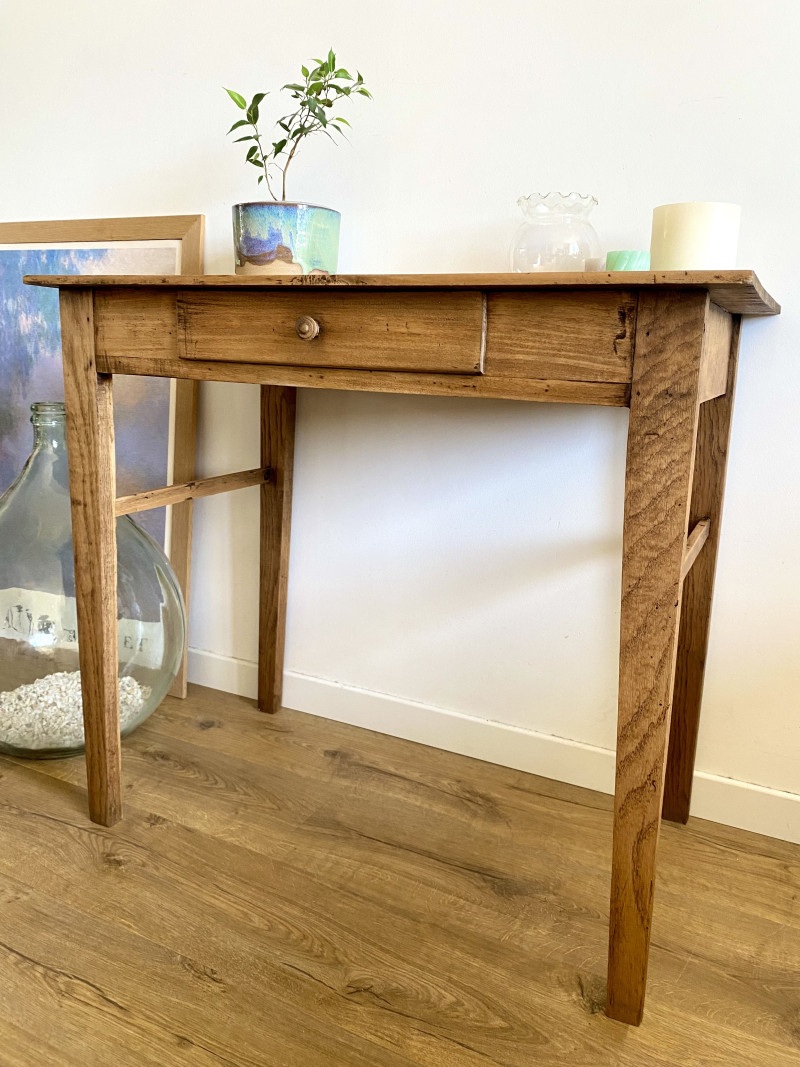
[697,236]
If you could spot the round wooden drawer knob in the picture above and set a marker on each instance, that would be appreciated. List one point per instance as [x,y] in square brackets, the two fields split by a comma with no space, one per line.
[306,328]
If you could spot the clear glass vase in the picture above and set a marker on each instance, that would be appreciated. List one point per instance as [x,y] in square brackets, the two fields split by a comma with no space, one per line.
[41,711]
[557,234]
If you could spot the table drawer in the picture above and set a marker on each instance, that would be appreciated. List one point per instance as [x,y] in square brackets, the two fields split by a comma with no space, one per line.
[564,336]
[442,332]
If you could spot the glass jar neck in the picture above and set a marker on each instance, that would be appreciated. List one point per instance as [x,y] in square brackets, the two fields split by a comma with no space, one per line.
[49,427]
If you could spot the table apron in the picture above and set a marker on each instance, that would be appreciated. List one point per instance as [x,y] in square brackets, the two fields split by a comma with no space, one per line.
[567,347]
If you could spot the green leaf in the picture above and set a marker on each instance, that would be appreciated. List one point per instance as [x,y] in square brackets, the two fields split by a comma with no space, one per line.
[279,146]
[257,99]
[331,59]
[255,162]
[320,61]
[249,137]
[236,125]
[342,73]
[304,71]
[237,98]
[260,178]
[359,79]
[364,92]
[340,119]
[295,86]
[252,113]
[252,151]
[283,125]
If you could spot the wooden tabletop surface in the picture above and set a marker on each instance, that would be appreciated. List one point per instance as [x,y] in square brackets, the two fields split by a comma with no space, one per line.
[738,291]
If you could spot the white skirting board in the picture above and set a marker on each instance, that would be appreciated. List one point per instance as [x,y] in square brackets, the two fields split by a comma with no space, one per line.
[725,800]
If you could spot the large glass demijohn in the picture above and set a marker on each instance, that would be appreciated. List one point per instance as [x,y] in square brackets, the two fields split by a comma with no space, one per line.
[40,696]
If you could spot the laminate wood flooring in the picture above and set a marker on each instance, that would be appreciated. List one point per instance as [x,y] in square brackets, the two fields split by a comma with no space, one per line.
[287,891]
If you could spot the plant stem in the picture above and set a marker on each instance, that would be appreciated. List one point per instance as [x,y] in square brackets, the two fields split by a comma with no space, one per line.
[286,167]
[301,119]
[264,161]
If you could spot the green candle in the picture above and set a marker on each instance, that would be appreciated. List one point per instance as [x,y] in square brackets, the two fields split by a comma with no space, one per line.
[628,261]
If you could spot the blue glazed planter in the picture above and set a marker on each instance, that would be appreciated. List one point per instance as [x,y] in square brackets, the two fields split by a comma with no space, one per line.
[275,237]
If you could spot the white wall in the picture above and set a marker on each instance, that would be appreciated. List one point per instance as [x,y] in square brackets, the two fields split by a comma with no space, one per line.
[455,569]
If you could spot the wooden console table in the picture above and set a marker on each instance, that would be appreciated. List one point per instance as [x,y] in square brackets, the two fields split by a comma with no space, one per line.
[663,344]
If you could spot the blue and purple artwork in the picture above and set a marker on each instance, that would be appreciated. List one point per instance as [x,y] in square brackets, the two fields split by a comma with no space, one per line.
[30,362]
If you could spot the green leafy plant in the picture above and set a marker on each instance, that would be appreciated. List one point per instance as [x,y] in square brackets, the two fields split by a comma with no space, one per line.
[315,99]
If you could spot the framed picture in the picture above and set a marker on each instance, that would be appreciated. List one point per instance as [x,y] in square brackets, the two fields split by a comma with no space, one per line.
[154,419]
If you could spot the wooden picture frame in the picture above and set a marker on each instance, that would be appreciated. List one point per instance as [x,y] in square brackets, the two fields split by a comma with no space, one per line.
[188,232]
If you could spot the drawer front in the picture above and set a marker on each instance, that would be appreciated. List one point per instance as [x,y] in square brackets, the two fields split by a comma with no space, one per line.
[134,322]
[566,336]
[436,331]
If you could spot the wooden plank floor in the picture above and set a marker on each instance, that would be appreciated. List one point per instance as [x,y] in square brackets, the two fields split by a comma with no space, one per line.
[291,892]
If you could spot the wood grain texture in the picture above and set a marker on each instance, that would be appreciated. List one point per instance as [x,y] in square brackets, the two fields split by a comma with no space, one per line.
[90,443]
[607,394]
[581,336]
[708,493]
[139,326]
[185,228]
[441,332]
[131,321]
[175,494]
[716,352]
[192,237]
[697,538]
[301,892]
[278,414]
[660,458]
[671,356]
[738,291]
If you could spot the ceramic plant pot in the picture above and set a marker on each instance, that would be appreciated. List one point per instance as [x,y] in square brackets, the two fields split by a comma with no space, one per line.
[276,237]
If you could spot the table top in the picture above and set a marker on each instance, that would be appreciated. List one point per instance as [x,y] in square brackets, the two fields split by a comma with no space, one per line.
[737,291]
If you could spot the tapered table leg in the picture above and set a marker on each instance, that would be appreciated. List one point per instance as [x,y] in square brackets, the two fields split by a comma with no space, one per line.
[278,406]
[661,441]
[90,443]
[708,490]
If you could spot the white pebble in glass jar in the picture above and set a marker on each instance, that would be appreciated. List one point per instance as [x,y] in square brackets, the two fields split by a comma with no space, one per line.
[40,693]
[48,713]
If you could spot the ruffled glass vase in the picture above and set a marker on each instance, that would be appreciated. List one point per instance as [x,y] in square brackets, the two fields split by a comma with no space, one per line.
[40,696]
[557,234]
